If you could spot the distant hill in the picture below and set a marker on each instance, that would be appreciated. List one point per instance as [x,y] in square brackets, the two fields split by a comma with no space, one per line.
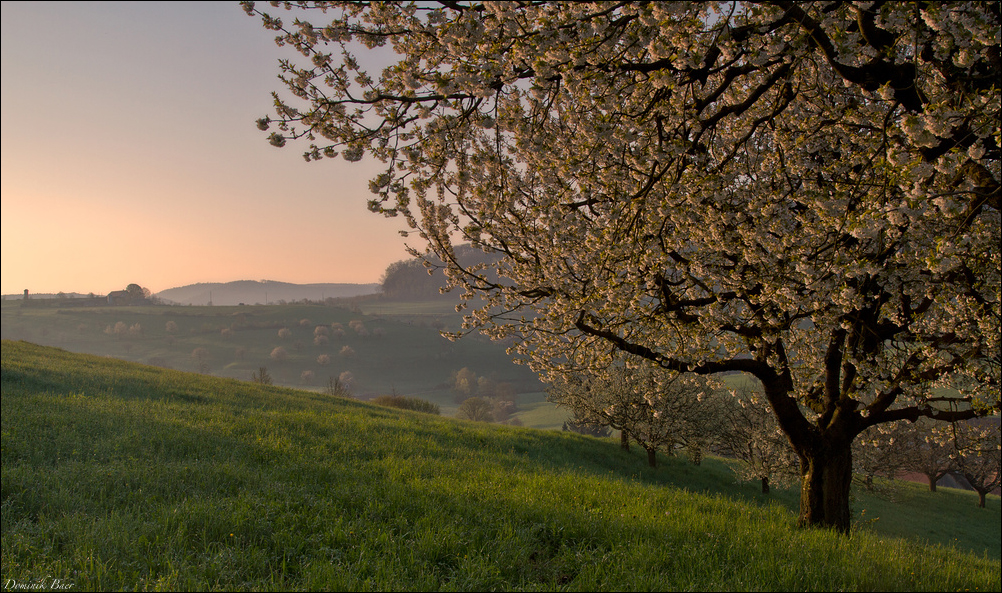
[252,292]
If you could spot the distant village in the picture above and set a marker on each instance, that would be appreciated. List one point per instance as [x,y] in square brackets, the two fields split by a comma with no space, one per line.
[133,295]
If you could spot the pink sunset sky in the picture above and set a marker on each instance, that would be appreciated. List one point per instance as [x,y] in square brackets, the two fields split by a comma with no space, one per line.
[130,154]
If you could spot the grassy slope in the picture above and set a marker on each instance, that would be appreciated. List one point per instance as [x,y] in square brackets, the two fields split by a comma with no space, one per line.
[118,476]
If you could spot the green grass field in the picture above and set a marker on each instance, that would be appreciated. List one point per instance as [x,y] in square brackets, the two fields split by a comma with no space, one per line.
[117,476]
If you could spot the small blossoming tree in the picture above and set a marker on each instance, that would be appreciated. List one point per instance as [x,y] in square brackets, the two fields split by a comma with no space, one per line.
[805,192]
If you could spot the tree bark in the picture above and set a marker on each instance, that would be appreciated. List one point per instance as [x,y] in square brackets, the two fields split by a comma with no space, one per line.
[652,457]
[932,482]
[826,476]
[624,440]
[765,485]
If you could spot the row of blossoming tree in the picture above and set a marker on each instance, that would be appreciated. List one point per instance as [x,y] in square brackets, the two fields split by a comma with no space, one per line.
[666,412]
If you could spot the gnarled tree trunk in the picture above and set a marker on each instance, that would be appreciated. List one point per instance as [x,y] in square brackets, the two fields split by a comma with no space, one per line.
[826,476]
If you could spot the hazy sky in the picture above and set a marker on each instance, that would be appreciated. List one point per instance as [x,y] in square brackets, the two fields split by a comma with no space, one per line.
[130,154]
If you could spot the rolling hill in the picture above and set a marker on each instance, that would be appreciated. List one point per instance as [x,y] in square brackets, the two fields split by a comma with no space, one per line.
[260,292]
[124,476]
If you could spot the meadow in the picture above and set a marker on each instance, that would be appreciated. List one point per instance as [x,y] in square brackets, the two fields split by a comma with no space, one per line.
[399,350]
[119,476]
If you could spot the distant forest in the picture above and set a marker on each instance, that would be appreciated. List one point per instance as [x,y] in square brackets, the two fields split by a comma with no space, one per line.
[410,279]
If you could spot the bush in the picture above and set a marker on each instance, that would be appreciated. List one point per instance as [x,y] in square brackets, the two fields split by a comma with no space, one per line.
[407,403]
[338,388]
[477,409]
[261,376]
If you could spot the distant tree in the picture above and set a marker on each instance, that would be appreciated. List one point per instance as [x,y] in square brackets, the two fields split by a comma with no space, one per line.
[503,408]
[658,409]
[347,352]
[284,333]
[304,323]
[226,332]
[201,358]
[171,327]
[279,354]
[321,330]
[477,409]
[465,383]
[486,387]
[135,330]
[337,388]
[881,451]
[306,377]
[751,434]
[137,294]
[324,359]
[928,449]
[240,353]
[120,329]
[505,391]
[261,376]
[320,340]
[346,378]
[978,454]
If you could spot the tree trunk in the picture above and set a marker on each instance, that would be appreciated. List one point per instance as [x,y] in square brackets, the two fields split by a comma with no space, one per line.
[981,498]
[765,485]
[652,457]
[624,440]
[932,482]
[826,475]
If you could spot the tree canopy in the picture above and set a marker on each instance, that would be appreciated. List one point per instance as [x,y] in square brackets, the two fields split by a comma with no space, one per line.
[420,278]
[806,192]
